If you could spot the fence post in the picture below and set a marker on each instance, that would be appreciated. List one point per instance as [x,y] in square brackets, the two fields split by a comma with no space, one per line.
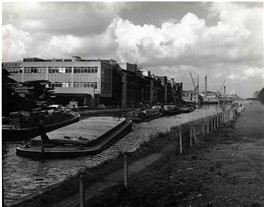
[125,172]
[203,130]
[82,199]
[190,135]
[207,126]
[215,122]
[194,134]
[180,139]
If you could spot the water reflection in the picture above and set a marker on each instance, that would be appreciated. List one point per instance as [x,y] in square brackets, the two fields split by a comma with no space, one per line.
[24,176]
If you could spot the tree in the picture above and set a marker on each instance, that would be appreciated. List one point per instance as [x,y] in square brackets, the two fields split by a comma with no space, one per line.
[10,100]
[255,95]
[261,95]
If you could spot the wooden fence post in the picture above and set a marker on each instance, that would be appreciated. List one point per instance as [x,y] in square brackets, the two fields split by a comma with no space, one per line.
[82,198]
[190,135]
[215,121]
[125,172]
[203,127]
[194,134]
[180,139]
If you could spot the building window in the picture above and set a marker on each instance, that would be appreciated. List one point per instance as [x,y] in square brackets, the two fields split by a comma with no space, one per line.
[41,70]
[85,84]
[66,85]
[60,70]
[85,69]
[14,70]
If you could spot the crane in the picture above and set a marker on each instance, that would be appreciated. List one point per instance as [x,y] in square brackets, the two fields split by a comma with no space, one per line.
[196,88]
[192,80]
[194,85]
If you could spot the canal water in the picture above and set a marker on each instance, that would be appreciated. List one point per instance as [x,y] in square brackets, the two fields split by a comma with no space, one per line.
[24,176]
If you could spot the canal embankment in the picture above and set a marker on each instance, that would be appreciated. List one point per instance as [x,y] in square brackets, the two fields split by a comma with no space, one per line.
[224,168]
[25,178]
[164,146]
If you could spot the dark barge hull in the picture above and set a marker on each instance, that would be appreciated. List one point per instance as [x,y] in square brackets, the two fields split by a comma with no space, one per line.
[171,113]
[92,148]
[138,120]
[187,109]
[28,133]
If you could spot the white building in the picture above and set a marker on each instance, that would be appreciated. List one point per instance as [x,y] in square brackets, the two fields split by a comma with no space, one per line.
[76,77]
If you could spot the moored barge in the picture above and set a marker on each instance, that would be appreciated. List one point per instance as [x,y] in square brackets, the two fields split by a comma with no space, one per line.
[23,125]
[87,137]
[169,110]
[144,115]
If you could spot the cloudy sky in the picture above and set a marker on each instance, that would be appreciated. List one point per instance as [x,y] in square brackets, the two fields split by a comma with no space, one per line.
[221,40]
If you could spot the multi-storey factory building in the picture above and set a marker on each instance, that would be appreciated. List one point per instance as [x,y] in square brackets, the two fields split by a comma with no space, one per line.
[95,81]
[84,80]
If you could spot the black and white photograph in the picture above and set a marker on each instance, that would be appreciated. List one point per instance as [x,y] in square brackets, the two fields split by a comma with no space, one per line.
[132,104]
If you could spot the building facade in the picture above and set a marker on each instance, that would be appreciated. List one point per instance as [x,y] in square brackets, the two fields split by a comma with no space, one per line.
[94,82]
[87,80]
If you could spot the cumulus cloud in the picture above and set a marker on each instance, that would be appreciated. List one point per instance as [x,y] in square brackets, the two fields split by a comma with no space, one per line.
[62,18]
[175,42]
[231,48]
[14,42]
[234,45]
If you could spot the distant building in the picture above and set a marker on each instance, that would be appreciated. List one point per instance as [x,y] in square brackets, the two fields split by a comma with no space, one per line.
[190,96]
[97,81]
[87,81]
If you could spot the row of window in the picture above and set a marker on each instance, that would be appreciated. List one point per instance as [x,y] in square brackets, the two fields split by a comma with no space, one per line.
[60,69]
[55,70]
[75,84]
[34,70]
[14,70]
[85,69]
